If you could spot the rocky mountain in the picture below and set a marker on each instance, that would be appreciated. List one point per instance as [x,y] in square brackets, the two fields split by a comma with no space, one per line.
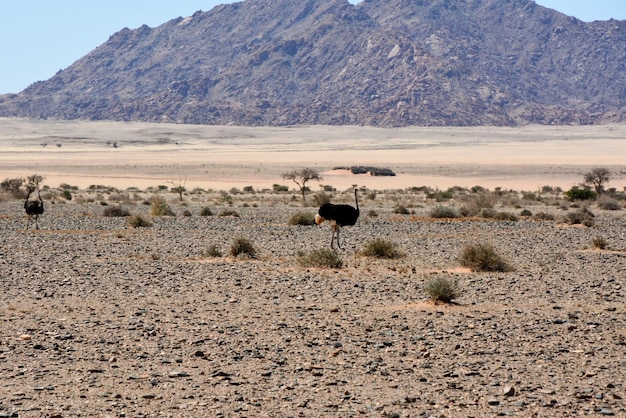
[379,63]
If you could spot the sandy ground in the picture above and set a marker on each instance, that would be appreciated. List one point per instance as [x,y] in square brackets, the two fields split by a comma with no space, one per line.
[101,319]
[222,157]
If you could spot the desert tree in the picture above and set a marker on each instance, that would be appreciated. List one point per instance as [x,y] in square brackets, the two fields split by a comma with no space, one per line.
[178,186]
[598,177]
[301,178]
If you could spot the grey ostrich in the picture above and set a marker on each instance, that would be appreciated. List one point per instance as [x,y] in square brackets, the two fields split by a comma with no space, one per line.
[33,208]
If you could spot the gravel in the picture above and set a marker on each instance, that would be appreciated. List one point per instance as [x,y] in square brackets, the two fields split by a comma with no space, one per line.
[100,319]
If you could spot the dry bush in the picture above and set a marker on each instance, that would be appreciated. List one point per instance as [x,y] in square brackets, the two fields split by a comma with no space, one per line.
[242,247]
[600,243]
[483,257]
[302,218]
[543,216]
[212,251]
[323,258]
[115,211]
[120,198]
[382,248]
[473,204]
[159,207]
[506,216]
[321,198]
[229,212]
[401,210]
[582,216]
[441,212]
[608,203]
[442,288]
[137,221]
[206,211]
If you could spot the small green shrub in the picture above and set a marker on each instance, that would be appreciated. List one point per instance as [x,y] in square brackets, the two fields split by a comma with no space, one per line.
[600,243]
[441,212]
[66,194]
[242,247]
[302,218]
[381,248]
[206,211]
[115,211]
[577,193]
[212,251]
[483,257]
[323,258]
[137,221]
[442,288]
[159,207]
[526,212]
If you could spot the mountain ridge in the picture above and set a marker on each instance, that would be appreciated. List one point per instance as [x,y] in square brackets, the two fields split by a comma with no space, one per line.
[379,63]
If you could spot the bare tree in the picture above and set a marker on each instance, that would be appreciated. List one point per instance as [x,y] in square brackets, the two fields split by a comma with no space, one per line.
[34,180]
[178,186]
[301,177]
[598,177]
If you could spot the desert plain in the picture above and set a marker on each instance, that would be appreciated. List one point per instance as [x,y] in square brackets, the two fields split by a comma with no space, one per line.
[99,318]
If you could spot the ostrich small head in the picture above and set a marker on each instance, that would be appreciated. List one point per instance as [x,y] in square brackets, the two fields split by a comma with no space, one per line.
[319,219]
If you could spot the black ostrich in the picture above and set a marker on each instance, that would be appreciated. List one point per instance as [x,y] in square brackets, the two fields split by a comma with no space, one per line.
[33,208]
[338,216]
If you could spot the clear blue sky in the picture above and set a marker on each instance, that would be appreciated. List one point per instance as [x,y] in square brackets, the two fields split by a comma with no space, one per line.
[38,38]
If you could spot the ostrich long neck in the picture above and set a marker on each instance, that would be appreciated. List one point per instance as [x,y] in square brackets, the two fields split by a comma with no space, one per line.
[356,200]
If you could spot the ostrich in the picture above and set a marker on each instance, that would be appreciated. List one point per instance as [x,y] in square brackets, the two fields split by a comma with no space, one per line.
[338,216]
[33,208]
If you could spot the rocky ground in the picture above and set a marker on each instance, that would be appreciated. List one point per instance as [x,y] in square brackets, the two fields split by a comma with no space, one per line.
[100,319]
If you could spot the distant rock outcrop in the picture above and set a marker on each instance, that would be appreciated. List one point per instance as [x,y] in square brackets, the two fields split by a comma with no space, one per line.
[379,63]
[372,171]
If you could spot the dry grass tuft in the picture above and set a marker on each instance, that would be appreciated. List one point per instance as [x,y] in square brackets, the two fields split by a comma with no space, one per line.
[600,243]
[324,258]
[442,288]
[382,248]
[242,247]
[483,257]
